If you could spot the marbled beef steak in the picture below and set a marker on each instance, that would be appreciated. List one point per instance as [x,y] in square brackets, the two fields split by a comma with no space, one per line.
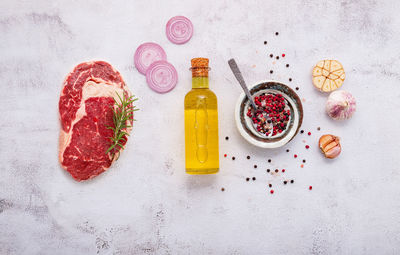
[85,112]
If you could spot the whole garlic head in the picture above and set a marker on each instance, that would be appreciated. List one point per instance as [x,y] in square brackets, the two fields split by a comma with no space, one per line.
[340,105]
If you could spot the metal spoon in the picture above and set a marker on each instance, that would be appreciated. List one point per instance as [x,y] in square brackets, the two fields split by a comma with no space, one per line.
[239,78]
[235,69]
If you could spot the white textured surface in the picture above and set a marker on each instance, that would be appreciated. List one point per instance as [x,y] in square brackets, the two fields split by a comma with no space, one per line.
[146,204]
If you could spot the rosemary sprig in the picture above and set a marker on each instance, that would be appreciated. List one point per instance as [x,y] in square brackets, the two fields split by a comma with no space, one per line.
[122,112]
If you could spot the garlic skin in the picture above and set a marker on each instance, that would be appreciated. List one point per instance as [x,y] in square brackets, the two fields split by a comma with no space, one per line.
[341,105]
[330,146]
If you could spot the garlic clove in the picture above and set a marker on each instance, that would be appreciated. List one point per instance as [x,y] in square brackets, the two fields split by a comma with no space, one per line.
[325,140]
[338,82]
[330,146]
[338,72]
[317,71]
[334,152]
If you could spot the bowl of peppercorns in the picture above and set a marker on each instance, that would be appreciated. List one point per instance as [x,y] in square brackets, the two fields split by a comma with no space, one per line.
[277,118]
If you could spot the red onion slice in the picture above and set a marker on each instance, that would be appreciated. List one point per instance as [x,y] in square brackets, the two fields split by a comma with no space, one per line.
[146,54]
[179,29]
[161,76]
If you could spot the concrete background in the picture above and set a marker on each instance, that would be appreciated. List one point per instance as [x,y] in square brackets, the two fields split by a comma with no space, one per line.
[145,203]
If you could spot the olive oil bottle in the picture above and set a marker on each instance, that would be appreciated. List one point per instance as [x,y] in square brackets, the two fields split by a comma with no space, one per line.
[201,123]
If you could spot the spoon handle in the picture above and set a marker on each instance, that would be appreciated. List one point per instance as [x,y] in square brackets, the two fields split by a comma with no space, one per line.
[239,77]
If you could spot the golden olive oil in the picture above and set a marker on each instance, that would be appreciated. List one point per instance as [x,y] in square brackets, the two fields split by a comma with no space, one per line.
[201,123]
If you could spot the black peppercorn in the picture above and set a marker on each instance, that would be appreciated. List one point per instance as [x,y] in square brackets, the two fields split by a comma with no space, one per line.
[269,160]
[270,71]
[287,150]
[291,181]
[255,166]
[233,158]
[222,189]
[290,79]
[287,65]
[285,182]
[247,179]
[297,88]
[254,178]
[271,55]
[304,161]
[270,185]
[265,42]
[276,33]
[248,157]
[301,131]
[268,170]
[227,138]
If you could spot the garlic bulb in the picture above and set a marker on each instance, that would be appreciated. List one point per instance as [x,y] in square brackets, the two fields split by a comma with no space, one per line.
[340,105]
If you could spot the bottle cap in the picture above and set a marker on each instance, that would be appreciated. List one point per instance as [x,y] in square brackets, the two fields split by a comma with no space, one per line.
[199,67]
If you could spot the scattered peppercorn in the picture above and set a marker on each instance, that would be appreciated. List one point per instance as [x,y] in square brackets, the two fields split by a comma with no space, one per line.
[285,182]
[277,57]
[255,166]
[276,33]
[248,157]
[287,65]
[222,189]
[272,191]
[304,161]
[283,55]
[276,170]
[227,138]
[271,55]
[307,146]
[291,181]
[302,131]
[247,179]
[254,178]
[268,170]
[265,42]
[269,160]
[301,165]
[225,155]
[287,150]
[233,158]
[309,133]
[283,170]
[270,185]
[290,79]
[297,88]
[295,155]
[270,71]
[318,128]
[310,188]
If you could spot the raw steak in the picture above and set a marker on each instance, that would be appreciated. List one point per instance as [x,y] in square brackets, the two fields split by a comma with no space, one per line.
[85,112]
